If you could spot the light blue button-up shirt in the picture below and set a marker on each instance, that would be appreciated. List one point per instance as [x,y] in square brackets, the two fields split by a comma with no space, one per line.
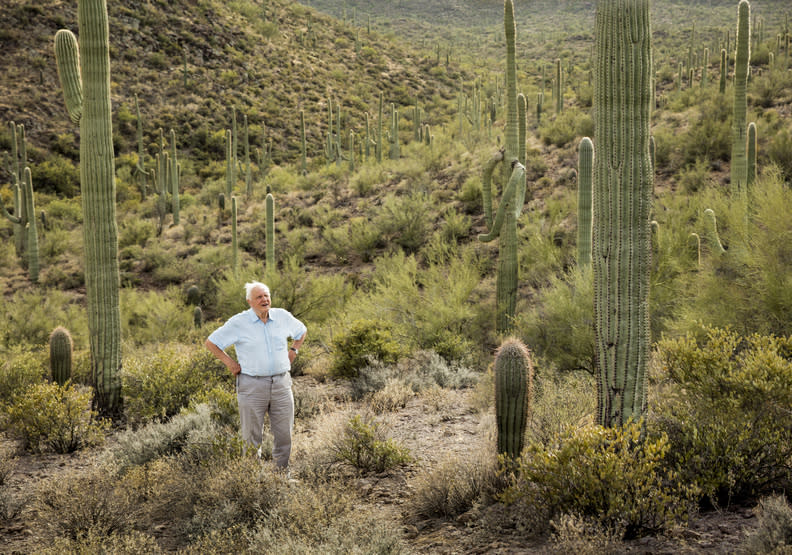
[262,349]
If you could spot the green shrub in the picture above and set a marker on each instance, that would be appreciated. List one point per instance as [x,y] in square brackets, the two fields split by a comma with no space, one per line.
[364,445]
[20,370]
[155,316]
[162,378]
[405,220]
[608,474]
[362,342]
[56,175]
[726,412]
[563,128]
[54,417]
[20,324]
[559,324]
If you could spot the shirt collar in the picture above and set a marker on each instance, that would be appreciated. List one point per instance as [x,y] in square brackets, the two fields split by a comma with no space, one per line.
[253,316]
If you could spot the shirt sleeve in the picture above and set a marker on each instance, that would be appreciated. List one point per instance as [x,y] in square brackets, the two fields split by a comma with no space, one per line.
[298,329]
[226,335]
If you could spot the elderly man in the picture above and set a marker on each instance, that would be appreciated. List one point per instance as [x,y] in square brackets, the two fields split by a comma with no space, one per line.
[260,335]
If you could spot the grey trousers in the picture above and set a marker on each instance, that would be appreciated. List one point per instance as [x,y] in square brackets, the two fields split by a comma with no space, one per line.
[258,395]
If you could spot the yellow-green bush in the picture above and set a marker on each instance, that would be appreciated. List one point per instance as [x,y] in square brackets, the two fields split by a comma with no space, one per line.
[54,417]
[726,412]
[609,474]
[162,378]
[362,342]
[364,444]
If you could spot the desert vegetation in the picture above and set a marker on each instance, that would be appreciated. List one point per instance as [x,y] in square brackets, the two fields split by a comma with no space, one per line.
[428,205]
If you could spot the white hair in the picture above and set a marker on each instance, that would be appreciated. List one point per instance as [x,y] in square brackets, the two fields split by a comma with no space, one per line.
[249,287]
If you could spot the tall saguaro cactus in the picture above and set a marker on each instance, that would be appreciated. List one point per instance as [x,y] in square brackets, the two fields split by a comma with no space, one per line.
[739,168]
[504,224]
[97,178]
[621,206]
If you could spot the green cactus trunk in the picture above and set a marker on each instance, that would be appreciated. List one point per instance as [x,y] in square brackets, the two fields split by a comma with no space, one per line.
[585,178]
[750,177]
[234,241]
[622,188]
[739,169]
[97,177]
[32,244]
[270,223]
[513,389]
[174,180]
[723,71]
[61,347]
[504,225]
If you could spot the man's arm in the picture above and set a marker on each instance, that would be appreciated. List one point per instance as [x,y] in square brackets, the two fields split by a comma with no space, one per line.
[296,344]
[232,365]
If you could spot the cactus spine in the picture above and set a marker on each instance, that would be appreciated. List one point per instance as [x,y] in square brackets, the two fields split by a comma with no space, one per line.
[739,170]
[585,177]
[97,177]
[622,188]
[513,387]
[61,347]
[504,224]
[270,216]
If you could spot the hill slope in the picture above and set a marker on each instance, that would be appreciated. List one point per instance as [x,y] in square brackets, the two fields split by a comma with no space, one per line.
[266,62]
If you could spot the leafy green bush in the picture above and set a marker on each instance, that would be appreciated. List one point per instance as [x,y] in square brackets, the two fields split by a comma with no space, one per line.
[563,128]
[59,418]
[609,474]
[726,412]
[362,342]
[161,379]
[56,175]
[364,445]
[20,370]
[405,220]
[155,316]
[28,317]
[559,324]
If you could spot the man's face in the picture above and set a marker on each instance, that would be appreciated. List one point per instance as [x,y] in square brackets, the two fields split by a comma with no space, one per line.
[259,300]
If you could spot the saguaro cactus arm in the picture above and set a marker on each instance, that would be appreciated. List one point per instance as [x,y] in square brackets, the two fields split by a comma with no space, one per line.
[67,57]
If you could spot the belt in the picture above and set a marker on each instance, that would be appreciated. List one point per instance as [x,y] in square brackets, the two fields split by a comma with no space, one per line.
[259,377]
